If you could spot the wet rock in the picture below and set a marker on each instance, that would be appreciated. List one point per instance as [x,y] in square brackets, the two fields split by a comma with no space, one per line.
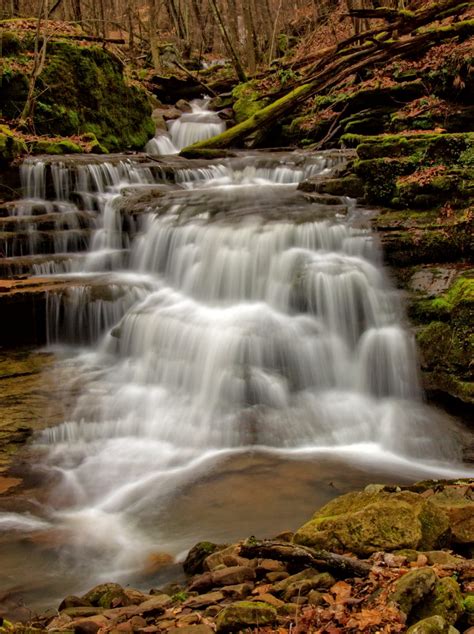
[445,601]
[364,523]
[136,596]
[244,614]
[442,557]
[194,562]
[59,623]
[274,577]
[432,625]
[107,595]
[413,587]
[271,600]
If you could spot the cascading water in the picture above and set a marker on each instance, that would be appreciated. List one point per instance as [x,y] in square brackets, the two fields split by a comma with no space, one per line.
[241,318]
[198,125]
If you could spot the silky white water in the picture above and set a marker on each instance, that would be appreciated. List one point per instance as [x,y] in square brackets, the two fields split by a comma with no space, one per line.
[198,125]
[232,316]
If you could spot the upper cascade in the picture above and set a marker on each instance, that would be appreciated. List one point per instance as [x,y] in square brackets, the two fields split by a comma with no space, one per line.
[191,127]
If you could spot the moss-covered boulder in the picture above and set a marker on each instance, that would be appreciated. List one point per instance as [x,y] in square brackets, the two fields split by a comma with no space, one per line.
[81,89]
[367,522]
[243,614]
[445,601]
[412,588]
[10,145]
[107,595]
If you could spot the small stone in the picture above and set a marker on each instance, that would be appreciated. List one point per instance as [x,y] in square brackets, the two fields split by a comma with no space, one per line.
[238,591]
[189,619]
[412,587]
[442,557]
[282,586]
[59,622]
[82,611]
[212,611]
[232,576]
[157,561]
[288,609]
[315,598]
[284,536]
[274,577]
[191,629]
[304,586]
[245,614]
[204,600]
[270,565]
[270,599]
[137,622]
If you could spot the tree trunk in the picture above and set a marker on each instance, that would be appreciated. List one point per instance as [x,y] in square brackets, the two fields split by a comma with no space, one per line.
[228,42]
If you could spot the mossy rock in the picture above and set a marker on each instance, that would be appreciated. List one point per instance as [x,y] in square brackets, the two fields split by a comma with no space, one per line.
[380,176]
[10,145]
[443,148]
[412,588]
[445,601]
[193,564]
[106,595]
[247,101]
[366,522]
[244,614]
[10,43]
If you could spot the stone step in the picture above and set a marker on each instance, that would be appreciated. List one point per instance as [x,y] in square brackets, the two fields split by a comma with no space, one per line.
[37,242]
[47,222]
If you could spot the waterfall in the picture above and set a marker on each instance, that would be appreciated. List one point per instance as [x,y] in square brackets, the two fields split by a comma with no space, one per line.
[217,311]
[198,125]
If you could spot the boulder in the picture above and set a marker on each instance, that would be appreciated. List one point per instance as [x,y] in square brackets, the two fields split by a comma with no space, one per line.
[412,588]
[367,522]
[458,505]
[243,614]
[445,601]
[107,595]
[225,557]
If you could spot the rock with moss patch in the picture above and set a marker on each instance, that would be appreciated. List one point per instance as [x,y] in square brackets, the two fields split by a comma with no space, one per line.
[432,625]
[412,588]
[244,614]
[365,522]
[247,101]
[445,601]
[11,146]
[193,564]
[107,595]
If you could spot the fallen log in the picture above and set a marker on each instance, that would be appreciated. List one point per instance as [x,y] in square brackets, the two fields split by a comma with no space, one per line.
[302,556]
[332,75]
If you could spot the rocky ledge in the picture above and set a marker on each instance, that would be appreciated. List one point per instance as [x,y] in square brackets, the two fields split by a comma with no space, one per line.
[386,559]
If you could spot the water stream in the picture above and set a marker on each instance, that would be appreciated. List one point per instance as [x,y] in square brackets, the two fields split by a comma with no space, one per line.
[239,353]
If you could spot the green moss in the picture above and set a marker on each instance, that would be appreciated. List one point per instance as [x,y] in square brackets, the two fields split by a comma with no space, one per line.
[247,101]
[10,145]
[83,89]
[446,601]
[55,147]
[10,43]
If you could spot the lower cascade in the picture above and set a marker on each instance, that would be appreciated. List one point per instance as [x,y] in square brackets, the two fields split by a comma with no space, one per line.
[218,311]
